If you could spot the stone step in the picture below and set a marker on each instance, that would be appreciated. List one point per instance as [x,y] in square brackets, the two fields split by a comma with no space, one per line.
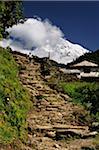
[53,106]
[62,127]
[65,129]
[59,126]
[51,109]
[50,130]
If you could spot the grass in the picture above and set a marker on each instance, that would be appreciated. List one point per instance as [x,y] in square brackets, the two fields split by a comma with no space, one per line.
[14,100]
[96,141]
[85,93]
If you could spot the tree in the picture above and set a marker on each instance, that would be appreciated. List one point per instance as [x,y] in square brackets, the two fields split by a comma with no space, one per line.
[10,13]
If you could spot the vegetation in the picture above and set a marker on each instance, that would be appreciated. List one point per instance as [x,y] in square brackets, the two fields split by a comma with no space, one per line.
[10,13]
[84,93]
[14,100]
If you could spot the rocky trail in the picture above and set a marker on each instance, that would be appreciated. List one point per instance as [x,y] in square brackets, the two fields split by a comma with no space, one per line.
[53,118]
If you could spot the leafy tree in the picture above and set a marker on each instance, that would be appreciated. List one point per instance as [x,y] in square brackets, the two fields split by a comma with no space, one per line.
[10,13]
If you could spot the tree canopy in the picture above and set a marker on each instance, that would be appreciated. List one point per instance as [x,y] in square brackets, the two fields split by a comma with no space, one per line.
[10,13]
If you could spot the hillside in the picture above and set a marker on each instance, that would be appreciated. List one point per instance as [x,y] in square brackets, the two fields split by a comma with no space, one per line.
[93,56]
[53,120]
[14,100]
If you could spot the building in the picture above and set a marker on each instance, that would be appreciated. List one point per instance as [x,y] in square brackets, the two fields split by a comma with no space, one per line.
[87,69]
[83,69]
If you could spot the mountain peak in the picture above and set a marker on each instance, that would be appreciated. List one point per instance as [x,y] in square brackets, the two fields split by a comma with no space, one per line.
[64,52]
[43,39]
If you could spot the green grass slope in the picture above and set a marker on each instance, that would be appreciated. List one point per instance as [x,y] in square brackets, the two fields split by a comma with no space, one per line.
[14,100]
[85,93]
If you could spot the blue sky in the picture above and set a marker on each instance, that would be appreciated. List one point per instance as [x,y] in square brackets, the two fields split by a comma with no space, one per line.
[78,20]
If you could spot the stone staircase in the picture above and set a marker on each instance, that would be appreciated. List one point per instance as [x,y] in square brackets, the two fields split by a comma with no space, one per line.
[52,115]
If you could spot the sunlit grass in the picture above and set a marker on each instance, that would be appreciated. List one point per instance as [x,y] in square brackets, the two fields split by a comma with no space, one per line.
[14,100]
[85,93]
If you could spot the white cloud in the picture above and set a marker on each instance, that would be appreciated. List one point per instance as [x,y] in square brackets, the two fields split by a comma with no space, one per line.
[41,37]
[34,33]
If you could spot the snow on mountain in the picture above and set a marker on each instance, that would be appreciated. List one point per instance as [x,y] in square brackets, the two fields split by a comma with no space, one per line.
[42,39]
[64,52]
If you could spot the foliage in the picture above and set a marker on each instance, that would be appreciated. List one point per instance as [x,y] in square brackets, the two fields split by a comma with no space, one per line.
[96,142]
[84,93]
[10,13]
[1,33]
[14,100]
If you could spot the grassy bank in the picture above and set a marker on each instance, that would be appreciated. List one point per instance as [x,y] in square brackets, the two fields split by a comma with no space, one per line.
[85,93]
[14,100]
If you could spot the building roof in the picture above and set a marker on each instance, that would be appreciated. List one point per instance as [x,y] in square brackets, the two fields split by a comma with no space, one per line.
[85,63]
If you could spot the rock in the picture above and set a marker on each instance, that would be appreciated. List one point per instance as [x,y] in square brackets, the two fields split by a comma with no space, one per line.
[56,146]
[34,135]
[51,134]
[66,97]
[95,124]
[46,139]
[48,127]
[65,126]
[51,109]
[91,134]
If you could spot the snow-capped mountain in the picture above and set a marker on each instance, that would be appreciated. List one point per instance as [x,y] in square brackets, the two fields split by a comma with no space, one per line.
[64,52]
[42,39]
